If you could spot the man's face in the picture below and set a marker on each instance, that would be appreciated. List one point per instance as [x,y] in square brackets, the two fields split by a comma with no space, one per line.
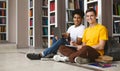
[77,19]
[90,17]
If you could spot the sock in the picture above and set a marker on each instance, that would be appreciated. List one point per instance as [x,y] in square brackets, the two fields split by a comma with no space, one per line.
[42,54]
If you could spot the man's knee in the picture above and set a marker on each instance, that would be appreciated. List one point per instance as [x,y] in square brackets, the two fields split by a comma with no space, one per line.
[61,48]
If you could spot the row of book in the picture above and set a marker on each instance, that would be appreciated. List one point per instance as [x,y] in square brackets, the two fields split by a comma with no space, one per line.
[2,12]
[2,28]
[52,19]
[31,22]
[31,32]
[45,2]
[52,6]
[116,26]
[116,9]
[2,4]
[2,36]
[45,12]
[76,4]
[31,41]
[31,12]
[45,30]
[2,20]
[70,18]
[52,30]
[94,6]
[31,3]
[45,21]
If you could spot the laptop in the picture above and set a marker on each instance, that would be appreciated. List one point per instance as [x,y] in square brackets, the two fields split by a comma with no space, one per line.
[57,32]
[70,46]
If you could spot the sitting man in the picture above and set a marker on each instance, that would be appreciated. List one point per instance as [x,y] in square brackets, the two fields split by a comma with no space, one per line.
[93,42]
[75,32]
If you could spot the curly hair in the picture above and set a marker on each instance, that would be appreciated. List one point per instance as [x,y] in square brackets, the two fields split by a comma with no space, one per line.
[79,12]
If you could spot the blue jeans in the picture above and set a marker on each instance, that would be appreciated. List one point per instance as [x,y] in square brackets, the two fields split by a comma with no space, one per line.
[53,49]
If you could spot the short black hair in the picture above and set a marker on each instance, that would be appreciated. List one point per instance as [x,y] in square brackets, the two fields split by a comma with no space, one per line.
[79,12]
[91,10]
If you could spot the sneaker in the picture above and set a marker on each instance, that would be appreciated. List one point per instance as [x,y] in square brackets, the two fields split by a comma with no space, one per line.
[59,58]
[81,60]
[34,56]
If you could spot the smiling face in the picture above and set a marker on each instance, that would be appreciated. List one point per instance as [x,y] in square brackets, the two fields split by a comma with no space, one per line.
[77,19]
[91,17]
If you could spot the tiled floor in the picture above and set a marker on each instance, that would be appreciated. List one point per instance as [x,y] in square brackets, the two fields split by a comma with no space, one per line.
[15,60]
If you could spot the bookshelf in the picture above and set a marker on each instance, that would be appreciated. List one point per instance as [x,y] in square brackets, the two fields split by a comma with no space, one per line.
[116,19]
[3,20]
[70,6]
[45,23]
[111,15]
[55,17]
[34,25]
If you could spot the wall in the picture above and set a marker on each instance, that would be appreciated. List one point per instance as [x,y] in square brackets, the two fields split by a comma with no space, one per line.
[12,21]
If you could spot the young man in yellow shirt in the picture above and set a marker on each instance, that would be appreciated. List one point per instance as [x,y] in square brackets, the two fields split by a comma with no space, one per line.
[93,42]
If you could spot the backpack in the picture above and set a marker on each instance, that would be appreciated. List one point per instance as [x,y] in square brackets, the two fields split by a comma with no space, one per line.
[112,48]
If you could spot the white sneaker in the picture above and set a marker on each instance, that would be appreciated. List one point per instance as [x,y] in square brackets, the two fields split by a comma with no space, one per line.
[59,58]
[81,60]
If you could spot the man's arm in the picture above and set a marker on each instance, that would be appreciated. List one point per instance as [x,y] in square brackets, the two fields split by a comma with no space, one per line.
[100,46]
[79,42]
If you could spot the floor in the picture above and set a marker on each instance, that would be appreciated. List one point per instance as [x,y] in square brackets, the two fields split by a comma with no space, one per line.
[15,60]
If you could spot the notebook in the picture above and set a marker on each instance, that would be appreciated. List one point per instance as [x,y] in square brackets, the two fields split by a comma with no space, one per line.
[71,46]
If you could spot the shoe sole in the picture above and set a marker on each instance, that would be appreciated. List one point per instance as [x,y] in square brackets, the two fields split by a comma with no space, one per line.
[81,60]
[47,59]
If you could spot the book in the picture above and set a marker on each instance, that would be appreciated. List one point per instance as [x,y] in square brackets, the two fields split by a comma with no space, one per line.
[52,6]
[103,65]
[71,4]
[116,26]
[119,9]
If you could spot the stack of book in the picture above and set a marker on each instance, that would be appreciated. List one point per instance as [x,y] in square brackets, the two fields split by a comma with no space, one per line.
[103,61]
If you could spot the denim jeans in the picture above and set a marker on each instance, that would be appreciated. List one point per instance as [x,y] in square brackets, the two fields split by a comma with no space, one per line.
[55,45]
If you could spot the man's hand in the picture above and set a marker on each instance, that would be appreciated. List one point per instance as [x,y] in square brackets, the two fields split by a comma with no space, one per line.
[72,43]
[65,35]
[79,47]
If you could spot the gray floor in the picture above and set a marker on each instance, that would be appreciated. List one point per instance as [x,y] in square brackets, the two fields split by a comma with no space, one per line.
[15,60]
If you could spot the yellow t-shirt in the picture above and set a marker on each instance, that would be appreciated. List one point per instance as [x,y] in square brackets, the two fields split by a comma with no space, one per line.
[92,35]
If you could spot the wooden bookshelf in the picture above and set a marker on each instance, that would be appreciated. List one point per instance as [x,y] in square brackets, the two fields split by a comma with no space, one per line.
[3,20]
